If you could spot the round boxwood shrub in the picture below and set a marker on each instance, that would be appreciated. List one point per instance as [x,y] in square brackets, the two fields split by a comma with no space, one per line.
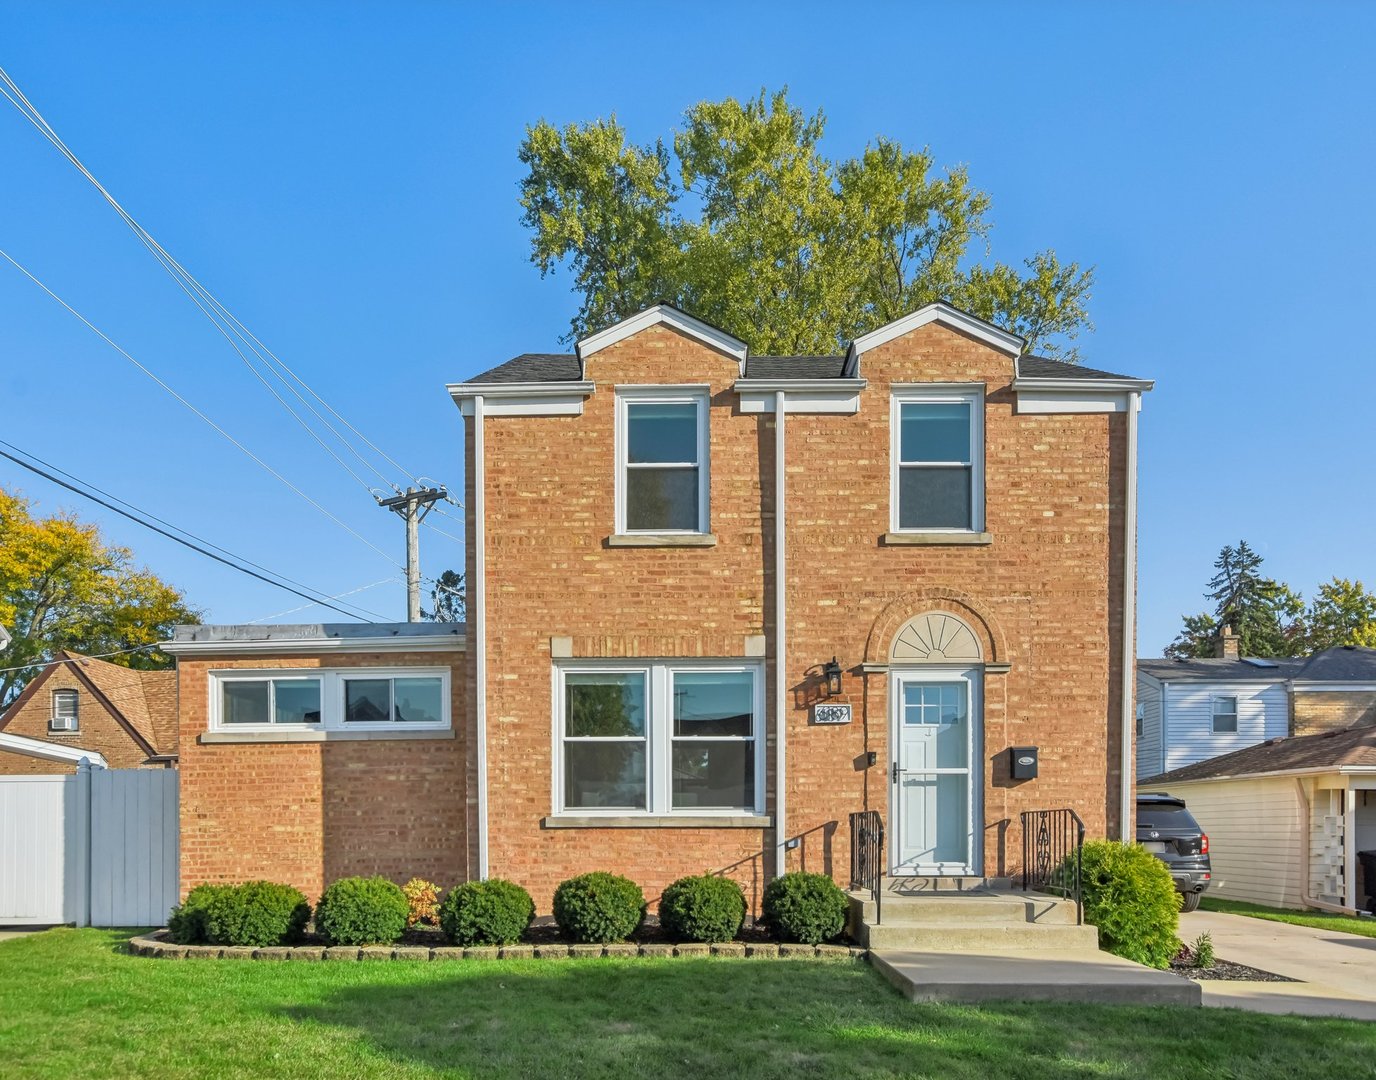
[186,921]
[599,907]
[705,908]
[492,912]
[1131,899]
[803,907]
[362,911]
[257,913]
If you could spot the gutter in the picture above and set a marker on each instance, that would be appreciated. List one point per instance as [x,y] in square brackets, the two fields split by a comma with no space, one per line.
[479,628]
[780,643]
[1129,661]
[1305,898]
[1074,383]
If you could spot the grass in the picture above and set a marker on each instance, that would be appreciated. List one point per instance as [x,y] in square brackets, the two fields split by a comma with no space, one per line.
[1319,920]
[71,1004]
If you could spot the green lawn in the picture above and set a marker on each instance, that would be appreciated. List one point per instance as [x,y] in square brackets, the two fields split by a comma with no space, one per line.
[72,1005]
[1320,920]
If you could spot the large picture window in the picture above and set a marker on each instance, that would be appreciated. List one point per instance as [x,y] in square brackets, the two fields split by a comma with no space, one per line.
[242,700]
[659,738]
[662,463]
[938,481]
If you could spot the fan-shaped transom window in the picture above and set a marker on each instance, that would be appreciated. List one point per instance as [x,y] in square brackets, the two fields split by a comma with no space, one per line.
[935,637]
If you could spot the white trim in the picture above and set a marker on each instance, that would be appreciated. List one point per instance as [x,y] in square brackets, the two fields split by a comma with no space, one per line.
[781,406]
[522,399]
[695,395]
[305,646]
[1041,403]
[668,316]
[332,689]
[37,748]
[947,394]
[480,623]
[1301,687]
[1128,722]
[659,738]
[838,396]
[551,405]
[946,315]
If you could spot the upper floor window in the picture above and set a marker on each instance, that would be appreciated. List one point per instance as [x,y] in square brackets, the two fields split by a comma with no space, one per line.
[65,711]
[351,698]
[1225,716]
[938,460]
[662,480]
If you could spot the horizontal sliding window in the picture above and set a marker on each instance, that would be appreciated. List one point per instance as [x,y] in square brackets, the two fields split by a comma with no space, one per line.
[328,699]
[270,701]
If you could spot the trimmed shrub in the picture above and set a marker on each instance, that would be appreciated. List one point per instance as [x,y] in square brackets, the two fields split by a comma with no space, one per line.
[186,921]
[492,912]
[257,913]
[424,898]
[1131,899]
[599,907]
[705,908]
[362,911]
[803,907]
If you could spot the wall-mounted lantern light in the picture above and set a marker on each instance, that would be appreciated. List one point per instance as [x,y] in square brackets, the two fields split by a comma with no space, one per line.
[832,674]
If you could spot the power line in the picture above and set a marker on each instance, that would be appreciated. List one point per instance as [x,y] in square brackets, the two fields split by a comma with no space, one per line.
[79,658]
[172,536]
[336,596]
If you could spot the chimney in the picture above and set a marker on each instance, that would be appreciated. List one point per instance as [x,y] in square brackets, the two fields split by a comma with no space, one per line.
[1226,647]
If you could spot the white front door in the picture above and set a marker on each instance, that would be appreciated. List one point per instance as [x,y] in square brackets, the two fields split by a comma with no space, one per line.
[935,776]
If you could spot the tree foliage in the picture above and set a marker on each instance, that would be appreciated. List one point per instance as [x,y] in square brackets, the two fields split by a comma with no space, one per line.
[448,599]
[63,587]
[1343,612]
[748,225]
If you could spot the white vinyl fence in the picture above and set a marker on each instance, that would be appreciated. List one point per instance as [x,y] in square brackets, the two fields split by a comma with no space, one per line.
[97,848]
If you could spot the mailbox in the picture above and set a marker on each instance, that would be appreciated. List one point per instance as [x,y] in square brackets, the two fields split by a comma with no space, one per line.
[1024,762]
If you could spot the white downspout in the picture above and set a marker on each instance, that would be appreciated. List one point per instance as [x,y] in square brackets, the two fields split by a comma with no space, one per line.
[780,644]
[1127,779]
[478,631]
[1305,839]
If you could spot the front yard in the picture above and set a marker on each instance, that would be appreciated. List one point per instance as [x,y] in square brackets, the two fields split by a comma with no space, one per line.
[71,1004]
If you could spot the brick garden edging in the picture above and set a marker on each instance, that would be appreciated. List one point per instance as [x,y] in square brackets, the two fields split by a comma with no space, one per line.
[153,945]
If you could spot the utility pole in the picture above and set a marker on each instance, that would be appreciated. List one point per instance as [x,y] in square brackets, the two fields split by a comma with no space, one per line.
[413,505]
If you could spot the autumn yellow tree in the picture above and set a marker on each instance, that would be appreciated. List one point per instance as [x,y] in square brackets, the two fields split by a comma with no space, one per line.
[63,587]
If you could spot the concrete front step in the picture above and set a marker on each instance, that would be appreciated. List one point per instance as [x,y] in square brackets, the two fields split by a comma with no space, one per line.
[1007,907]
[1033,975]
[998,937]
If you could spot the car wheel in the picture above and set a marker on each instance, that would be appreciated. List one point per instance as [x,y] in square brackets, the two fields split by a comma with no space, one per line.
[1190,901]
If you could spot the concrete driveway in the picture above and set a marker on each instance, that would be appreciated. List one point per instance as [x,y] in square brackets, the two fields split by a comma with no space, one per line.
[1337,971]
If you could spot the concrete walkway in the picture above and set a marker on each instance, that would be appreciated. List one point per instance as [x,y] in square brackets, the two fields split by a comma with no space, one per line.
[1338,971]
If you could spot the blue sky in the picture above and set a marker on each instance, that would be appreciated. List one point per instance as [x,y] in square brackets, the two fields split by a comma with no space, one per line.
[344,178]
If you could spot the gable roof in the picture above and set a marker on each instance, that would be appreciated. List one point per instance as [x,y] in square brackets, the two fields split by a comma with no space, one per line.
[1350,748]
[144,703]
[1343,663]
[664,315]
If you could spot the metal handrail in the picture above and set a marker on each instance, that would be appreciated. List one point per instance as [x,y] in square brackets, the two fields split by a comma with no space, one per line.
[1053,854]
[867,855]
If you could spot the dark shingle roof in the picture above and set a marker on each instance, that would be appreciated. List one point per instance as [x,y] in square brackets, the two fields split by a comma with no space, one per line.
[1043,367]
[1345,663]
[534,368]
[794,367]
[1212,670]
[1327,750]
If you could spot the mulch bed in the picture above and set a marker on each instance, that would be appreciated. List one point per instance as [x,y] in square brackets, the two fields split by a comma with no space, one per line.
[1226,971]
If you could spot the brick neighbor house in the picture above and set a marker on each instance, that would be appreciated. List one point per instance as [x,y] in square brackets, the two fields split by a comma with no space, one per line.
[80,706]
[670,541]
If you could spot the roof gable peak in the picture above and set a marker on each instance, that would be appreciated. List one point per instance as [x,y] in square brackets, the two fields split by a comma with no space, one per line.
[664,315]
[936,312]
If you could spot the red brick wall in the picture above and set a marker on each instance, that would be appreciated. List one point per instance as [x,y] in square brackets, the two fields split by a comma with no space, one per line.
[99,730]
[1048,588]
[307,813]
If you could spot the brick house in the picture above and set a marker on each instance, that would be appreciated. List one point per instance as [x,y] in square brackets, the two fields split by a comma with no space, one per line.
[670,541]
[81,704]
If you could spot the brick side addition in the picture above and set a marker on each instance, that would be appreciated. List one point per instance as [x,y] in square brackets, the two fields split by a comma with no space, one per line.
[308,813]
[1312,713]
[1045,596]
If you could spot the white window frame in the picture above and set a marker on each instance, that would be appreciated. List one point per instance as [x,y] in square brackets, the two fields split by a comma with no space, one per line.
[663,395]
[938,394]
[659,734]
[54,715]
[1214,714]
[331,698]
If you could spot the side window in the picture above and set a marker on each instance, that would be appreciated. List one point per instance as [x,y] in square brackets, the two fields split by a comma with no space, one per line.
[1225,716]
[938,454]
[662,480]
[65,715]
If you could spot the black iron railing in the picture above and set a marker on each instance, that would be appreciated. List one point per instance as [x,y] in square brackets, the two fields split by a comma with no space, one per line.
[1053,854]
[867,854]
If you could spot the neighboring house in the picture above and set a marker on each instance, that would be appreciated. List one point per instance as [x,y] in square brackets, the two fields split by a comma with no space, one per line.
[1196,709]
[79,704]
[670,541]
[1287,818]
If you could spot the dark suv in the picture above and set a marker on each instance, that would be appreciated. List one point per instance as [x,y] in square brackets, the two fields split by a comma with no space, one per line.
[1170,832]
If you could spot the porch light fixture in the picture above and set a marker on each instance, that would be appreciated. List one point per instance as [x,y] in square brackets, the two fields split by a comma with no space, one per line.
[831,672]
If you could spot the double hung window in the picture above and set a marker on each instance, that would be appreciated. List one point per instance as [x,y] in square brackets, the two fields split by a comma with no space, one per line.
[659,737]
[1225,715]
[662,480]
[938,474]
[65,715]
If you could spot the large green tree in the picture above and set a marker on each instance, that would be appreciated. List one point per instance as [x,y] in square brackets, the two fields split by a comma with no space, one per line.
[1266,615]
[748,225]
[63,587]
[1343,612]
